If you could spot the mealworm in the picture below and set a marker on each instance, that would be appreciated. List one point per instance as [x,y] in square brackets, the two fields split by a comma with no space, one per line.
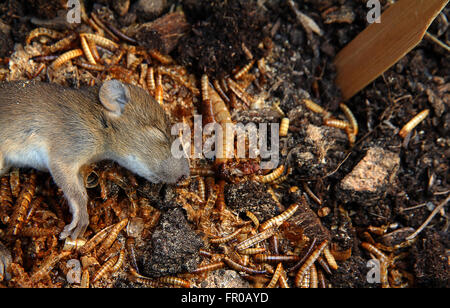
[87,50]
[240,268]
[275,258]
[105,268]
[330,258]
[119,262]
[313,282]
[94,241]
[259,237]
[375,251]
[220,202]
[84,279]
[220,90]
[202,171]
[276,276]
[209,268]
[21,207]
[304,269]
[316,108]
[336,123]
[305,280]
[323,263]
[101,41]
[350,117]
[75,245]
[164,59]
[278,220]
[253,218]
[14,181]
[93,49]
[61,44]
[208,207]
[240,92]
[276,107]
[43,31]
[284,126]
[252,251]
[271,176]
[109,240]
[413,123]
[91,67]
[159,91]
[5,193]
[222,116]
[175,281]
[243,70]
[227,238]
[48,264]
[66,57]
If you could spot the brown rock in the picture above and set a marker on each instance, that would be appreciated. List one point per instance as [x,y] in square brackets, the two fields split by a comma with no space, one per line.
[371,177]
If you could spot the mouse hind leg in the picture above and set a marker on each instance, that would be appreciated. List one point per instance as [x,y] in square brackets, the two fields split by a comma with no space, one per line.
[71,183]
[4,168]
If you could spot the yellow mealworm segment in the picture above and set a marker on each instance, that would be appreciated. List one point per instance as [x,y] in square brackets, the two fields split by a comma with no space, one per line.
[313,280]
[271,176]
[257,238]
[209,268]
[155,54]
[159,91]
[330,258]
[109,240]
[151,79]
[316,108]
[336,123]
[278,220]
[413,123]
[276,276]
[375,251]
[350,117]
[226,238]
[101,41]
[253,218]
[66,57]
[244,70]
[87,50]
[284,126]
[105,268]
[304,269]
[43,31]
[175,281]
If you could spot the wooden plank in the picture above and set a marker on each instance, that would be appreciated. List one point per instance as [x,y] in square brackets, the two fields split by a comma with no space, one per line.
[381,45]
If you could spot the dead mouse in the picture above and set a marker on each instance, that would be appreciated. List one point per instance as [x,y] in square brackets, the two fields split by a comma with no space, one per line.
[50,127]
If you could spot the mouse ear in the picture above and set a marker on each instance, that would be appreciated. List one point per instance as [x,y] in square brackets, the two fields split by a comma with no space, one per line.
[114,95]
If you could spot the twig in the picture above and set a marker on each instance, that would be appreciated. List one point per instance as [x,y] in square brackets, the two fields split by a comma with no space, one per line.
[427,221]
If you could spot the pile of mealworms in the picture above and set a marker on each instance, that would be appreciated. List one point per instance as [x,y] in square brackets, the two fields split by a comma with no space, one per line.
[34,210]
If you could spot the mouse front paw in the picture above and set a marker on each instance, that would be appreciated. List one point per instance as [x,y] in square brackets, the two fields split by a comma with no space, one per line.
[5,261]
[76,228]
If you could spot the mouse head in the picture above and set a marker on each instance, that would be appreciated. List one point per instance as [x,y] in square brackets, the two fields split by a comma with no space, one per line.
[138,133]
